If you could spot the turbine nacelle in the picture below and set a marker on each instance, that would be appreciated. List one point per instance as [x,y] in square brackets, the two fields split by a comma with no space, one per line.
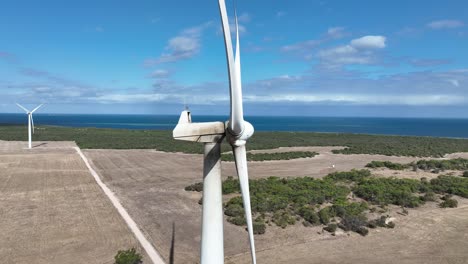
[197,132]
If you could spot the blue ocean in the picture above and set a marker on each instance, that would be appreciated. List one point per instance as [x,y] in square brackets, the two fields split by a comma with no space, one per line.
[388,126]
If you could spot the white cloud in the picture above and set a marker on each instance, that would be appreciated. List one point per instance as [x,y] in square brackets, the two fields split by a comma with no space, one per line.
[301,46]
[369,42]
[336,32]
[454,82]
[358,51]
[361,99]
[445,24]
[305,48]
[184,46]
[160,73]
[244,18]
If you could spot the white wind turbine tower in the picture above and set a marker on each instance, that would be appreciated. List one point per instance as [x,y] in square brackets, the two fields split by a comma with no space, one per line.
[30,122]
[237,132]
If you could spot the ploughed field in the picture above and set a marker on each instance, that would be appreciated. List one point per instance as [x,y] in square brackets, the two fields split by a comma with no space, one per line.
[52,210]
[151,186]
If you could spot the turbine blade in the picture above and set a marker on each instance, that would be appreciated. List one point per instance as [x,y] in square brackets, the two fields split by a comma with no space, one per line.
[32,123]
[240,157]
[236,118]
[237,111]
[22,107]
[36,108]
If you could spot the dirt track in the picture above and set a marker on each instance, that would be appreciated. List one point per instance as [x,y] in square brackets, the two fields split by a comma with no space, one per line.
[150,185]
[52,210]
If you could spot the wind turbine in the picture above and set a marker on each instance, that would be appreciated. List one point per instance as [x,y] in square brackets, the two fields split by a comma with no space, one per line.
[30,121]
[236,131]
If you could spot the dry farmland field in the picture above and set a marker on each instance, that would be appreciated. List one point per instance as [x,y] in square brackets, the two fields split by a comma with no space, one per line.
[151,186]
[52,210]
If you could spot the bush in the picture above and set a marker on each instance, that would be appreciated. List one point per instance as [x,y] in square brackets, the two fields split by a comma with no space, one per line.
[309,215]
[353,175]
[273,156]
[231,185]
[330,228]
[259,228]
[283,219]
[354,223]
[237,220]
[451,185]
[348,209]
[197,187]
[379,222]
[465,174]
[448,202]
[429,197]
[324,215]
[129,256]
[385,191]
[234,210]
[362,231]
[387,164]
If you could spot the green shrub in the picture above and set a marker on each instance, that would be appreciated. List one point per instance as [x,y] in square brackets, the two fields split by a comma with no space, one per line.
[324,215]
[231,185]
[387,164]
[362,231]
[385,191]
[330,228]
[448,202]
[237,220]
[129,256]
[283,219]
[259,228]
[441,165]
[234,209]
[348,209]
[272,156]
[197,187]
[309,214]
[451,185]
[353,175]
[354,223]
[429,197]
[379,222]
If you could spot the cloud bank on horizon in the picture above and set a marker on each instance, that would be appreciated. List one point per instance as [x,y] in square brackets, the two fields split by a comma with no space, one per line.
[298,58]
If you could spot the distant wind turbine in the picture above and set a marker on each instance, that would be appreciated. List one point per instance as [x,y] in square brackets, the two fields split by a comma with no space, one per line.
[237,131]
[30,121]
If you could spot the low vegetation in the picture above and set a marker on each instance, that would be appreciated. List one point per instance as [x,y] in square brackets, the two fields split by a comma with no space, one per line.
[448,202]
[273,156]
[426,165]
[387,164]
[329,202]
[101,138]
[129,256]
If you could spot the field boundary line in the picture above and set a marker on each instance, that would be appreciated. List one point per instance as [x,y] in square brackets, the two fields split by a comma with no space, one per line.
[150,250]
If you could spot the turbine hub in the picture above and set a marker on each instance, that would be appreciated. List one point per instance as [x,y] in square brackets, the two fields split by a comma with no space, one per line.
[241,138]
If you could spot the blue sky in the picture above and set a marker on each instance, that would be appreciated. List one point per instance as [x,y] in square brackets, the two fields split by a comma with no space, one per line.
[316,58]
